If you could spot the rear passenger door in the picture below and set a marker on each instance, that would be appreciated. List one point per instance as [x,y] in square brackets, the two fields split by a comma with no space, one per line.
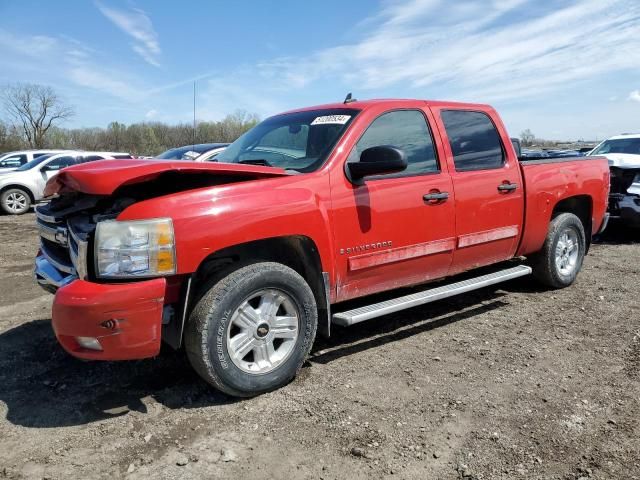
[487,185]
[387,233]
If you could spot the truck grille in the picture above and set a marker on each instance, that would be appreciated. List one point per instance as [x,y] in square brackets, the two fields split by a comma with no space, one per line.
[63,250]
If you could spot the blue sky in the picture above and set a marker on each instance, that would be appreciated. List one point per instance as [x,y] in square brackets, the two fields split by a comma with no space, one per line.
[564,69]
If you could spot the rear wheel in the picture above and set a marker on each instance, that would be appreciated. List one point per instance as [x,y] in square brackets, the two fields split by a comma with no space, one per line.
[15,201]
[252,331]
[558,263]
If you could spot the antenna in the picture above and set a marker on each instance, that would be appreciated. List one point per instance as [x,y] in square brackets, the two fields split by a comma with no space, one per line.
[194,114]
[349,98]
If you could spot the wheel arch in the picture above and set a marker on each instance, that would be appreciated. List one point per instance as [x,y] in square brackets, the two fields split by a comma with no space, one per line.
[582,207]
[21,187]
[298,252]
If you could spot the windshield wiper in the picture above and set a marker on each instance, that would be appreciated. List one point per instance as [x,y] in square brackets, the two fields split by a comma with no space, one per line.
[256,161]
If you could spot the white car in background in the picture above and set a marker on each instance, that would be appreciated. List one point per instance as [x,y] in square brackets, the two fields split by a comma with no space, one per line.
[12,160]
[623,153]
[24,186]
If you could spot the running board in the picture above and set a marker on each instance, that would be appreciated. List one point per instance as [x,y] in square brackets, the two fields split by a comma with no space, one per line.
[374,310]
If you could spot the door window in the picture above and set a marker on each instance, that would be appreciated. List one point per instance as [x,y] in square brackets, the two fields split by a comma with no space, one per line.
[474,140]
[13,161]
[404,129]
[60,163]
[92,158]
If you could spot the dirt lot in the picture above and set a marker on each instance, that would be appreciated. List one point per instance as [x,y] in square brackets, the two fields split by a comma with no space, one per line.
[510,382]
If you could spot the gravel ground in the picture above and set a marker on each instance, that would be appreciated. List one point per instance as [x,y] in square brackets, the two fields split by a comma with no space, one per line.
[509,382]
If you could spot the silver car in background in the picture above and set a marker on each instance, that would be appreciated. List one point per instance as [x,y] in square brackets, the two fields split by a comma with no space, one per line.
[24,186]
[12,160]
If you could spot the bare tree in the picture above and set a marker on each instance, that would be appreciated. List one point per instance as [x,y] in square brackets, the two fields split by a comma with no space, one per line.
[527,138]
[36,108]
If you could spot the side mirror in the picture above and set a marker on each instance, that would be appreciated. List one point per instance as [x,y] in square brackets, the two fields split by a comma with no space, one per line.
[377,161]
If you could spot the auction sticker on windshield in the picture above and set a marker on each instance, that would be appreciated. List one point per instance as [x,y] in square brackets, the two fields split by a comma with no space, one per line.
[331,119]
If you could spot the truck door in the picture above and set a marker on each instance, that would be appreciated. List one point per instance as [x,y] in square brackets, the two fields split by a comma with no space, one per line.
[395,229]
[487,184]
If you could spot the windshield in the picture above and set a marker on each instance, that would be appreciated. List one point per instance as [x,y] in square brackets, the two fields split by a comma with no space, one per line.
[33,163]
[620,145]
[294,141]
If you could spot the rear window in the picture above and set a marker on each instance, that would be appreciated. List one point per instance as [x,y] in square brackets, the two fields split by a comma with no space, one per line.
[474,140]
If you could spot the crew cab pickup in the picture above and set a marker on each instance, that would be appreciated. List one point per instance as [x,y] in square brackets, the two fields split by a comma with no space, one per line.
[242,261]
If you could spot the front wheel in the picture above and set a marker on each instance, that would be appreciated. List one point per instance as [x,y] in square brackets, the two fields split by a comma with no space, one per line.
[558,263]
[15,201]
[252,331]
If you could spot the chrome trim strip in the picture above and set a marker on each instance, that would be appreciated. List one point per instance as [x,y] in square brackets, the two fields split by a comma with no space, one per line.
[413,300]
[60,266]
[399,254]
[605,222]
[487,236]
[45,218]
[47,232]
[327,297]
[79,257]
[183,320]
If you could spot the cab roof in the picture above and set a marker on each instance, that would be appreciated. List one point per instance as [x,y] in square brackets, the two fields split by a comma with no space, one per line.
[391,103]
[624,135]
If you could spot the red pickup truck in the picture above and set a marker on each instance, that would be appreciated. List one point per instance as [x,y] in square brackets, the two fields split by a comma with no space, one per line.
[241,261]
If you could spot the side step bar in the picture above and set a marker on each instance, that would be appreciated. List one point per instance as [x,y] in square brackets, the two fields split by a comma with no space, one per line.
[374,310]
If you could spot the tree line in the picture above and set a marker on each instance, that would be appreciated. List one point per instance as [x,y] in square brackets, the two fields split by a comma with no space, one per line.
[34,114]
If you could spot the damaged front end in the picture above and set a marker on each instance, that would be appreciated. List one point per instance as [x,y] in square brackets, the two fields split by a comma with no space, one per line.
[113,301]
[624,197]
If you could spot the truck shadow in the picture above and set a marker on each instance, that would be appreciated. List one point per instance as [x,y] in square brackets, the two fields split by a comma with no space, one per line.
[401,325]
[44,387]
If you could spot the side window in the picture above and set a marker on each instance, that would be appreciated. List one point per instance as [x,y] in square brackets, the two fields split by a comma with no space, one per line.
[474,140]
[91,158]
[60,163]
[404,129]
[13,161]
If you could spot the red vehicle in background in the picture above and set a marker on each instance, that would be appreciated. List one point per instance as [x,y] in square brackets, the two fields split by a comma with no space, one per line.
[241,261]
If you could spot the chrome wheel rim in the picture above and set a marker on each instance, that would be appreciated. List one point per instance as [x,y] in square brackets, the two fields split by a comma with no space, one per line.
[16,201]
[263,331]
[567,252]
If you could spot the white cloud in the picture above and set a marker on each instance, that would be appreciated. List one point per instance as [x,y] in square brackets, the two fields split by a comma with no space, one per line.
[137,24]
[483,50]
[635,95]
[151,114]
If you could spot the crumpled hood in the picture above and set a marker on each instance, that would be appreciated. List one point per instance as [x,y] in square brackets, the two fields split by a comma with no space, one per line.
[623,160]
[103,177]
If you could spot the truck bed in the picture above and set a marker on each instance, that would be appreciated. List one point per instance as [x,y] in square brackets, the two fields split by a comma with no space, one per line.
[579,176]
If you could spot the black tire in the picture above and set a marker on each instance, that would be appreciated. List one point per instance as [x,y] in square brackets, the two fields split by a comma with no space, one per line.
[545,267]
[15,201]
[206,332]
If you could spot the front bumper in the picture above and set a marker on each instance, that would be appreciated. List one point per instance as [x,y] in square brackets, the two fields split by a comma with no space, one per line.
[126,318]
[626,208]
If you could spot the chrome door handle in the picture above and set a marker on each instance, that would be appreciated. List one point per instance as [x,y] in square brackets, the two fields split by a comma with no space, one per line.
[507,187]
[436,197]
